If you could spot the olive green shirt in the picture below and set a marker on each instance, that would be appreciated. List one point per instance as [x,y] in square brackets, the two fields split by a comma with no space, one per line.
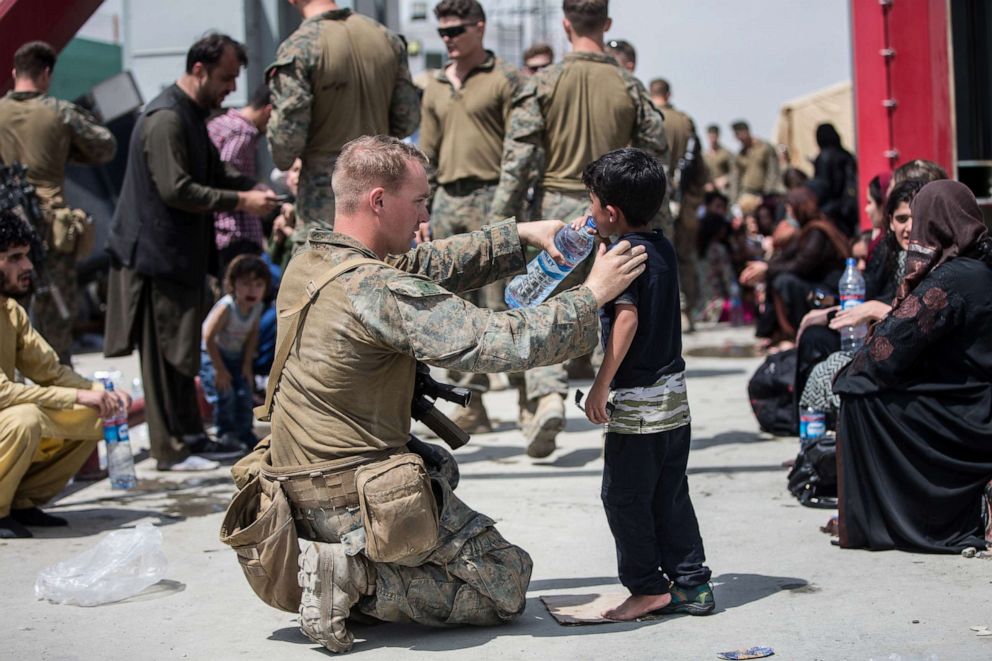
[679,127]
[347,385]
[44,133]
[24,350]
[718,162]
[756,170]
[568,115]
[461,131]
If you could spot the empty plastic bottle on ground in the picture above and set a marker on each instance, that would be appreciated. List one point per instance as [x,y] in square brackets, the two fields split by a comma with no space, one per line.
[544,273]
[852,294]
[120,461]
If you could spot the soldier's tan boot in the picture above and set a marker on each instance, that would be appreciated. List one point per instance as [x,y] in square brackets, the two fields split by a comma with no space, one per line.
[473,418]
[332,583]
[548,421]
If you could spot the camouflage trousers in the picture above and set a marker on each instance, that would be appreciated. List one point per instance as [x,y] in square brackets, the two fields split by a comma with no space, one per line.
[60,270]
[315,198]
[686,251]
[566,207]
[456,212]
[474,576]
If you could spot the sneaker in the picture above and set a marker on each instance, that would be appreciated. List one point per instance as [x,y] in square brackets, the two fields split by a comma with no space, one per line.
[191,464]
[697,600]
[225,448]
[543,428]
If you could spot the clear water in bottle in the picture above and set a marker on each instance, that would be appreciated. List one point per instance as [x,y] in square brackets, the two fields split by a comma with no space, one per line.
[120,461]
[852,294]
[544,273]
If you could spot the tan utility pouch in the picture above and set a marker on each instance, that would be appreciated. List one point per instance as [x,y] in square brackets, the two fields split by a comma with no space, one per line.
[259,527]
[398,510]
[73,232]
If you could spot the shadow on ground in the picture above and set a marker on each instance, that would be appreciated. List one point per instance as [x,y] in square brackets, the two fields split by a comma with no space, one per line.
[731,590]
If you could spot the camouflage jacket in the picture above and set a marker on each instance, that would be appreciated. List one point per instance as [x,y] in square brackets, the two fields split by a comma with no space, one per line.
[528,145]
[45,133]
[339,76]
[348,382]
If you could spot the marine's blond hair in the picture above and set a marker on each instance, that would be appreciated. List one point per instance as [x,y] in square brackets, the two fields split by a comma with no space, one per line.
[368,162]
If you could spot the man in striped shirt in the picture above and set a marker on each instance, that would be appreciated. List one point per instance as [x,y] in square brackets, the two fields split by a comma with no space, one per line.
[236,133]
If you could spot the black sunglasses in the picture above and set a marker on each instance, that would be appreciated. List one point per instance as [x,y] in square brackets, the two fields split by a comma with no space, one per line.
[453,31]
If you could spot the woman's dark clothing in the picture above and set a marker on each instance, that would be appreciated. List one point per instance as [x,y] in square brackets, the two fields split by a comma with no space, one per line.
[835,172]
[815,260]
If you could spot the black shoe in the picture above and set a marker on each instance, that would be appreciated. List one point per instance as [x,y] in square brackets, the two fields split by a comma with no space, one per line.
[32,516]
[10,529]
[208,449]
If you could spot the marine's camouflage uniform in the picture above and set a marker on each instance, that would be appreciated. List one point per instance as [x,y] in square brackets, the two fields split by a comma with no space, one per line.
[348,381]
[294,131]
[44,133]
[525,154]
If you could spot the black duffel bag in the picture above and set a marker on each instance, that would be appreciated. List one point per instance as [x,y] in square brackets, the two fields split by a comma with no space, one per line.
[770,392]
[813,480]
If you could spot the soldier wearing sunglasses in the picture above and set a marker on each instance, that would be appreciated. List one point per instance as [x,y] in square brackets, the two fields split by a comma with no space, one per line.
[464,112]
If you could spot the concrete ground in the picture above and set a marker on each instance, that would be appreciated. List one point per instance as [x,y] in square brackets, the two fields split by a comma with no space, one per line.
[778,580]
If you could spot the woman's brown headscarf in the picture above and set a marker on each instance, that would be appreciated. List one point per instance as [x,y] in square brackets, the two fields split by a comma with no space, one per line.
[946,223]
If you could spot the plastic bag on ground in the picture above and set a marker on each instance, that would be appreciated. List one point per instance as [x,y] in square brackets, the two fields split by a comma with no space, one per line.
[124,563]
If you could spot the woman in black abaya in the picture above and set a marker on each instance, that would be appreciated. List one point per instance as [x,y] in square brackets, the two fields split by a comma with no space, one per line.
[915,429]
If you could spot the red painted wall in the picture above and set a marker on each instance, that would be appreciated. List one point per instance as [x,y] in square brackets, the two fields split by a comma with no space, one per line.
[917,77]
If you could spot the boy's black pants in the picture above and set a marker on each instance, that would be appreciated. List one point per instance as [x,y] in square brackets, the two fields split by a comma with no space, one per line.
[646,496]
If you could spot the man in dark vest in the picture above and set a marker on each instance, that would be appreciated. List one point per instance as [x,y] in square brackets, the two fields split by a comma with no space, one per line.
[162,247]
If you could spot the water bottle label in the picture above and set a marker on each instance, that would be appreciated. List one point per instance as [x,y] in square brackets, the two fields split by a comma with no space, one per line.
[550,267]
[848,301]
[812,425]
[110,434]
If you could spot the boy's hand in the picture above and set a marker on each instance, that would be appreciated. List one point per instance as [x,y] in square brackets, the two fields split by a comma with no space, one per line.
[579,225]
[222,380]
[596,404]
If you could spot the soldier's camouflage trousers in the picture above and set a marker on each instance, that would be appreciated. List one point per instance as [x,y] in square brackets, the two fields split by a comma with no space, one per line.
[460,211]
[315,198]
[565,207]
[473,577]
[60,269]
[684,240]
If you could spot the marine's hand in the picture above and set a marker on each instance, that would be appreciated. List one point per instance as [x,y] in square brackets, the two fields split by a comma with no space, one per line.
[103,402]
[423,234]
[541,234]
[613,271]
[257,202]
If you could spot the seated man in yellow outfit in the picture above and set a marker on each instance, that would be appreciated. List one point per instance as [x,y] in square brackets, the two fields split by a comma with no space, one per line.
[47,430]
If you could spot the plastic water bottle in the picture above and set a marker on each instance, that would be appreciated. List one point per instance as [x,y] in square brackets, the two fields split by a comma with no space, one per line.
[852,294]
[736,305]
[120,461]
[812,425]
[544,273]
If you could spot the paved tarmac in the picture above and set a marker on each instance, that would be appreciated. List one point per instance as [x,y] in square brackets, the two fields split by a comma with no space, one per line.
[778,580]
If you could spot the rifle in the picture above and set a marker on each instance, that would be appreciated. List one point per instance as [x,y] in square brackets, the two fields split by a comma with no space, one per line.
[683,168]
[426,391]
[18,195]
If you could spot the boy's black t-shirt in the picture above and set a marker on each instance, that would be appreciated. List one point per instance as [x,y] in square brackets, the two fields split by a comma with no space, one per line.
[657,346]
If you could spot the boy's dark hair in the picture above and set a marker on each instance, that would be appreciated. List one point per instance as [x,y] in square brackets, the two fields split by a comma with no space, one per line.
[210,48]
[33,58]
[466,10]
[586,16]
[15,232]
[261,97]
[629,179]
[539,48]
[246,266]
[919,169]
[660,87]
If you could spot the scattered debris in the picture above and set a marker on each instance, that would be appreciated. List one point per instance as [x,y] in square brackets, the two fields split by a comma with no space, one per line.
[749,653]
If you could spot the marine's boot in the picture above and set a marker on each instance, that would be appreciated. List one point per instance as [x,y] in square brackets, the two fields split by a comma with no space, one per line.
[332,583]
[548,420]
[473,418]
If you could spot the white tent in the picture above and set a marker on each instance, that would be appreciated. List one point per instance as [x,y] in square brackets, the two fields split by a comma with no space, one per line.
[795,129]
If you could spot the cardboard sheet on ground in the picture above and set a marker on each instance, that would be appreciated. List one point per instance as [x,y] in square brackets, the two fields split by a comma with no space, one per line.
[578,609]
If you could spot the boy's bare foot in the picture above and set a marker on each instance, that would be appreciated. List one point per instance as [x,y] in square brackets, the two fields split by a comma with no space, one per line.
[637,605]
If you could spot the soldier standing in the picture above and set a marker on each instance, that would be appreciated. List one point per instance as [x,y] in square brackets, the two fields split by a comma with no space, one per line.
[719,160]
[688,176]
[756,169]
[341,397]
[339,76]
[463,120]
[566,116]
[44,133]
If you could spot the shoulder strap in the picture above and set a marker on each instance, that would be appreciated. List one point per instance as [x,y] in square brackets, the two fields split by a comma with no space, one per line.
[292,317]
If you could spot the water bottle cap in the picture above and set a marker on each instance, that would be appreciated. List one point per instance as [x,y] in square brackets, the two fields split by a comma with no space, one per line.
[852,261]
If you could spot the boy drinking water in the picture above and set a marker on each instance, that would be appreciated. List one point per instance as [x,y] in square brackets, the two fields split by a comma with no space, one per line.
[645,489]
[230,336]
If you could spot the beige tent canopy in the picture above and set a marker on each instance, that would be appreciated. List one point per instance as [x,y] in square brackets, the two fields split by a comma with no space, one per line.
[797,121]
